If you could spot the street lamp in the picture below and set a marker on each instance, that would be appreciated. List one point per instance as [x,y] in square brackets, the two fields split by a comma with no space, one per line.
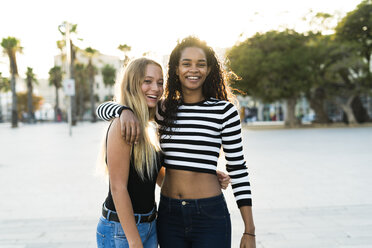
[69,82]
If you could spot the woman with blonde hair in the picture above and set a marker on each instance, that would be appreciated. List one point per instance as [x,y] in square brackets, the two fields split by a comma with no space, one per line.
[129,212]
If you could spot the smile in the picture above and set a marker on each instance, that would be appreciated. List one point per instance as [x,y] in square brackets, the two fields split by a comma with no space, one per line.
[193,77]
[152,97]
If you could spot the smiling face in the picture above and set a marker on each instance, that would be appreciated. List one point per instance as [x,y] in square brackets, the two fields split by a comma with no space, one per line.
[192,69]
[152,86]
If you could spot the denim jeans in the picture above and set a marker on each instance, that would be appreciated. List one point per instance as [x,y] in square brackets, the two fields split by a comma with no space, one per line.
[110,234]
[194,223]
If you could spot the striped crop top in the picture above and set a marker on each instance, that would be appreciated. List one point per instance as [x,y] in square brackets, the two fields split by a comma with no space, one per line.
[199,131]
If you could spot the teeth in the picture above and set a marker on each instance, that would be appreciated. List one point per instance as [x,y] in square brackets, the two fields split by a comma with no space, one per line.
[154,97]
[193,78]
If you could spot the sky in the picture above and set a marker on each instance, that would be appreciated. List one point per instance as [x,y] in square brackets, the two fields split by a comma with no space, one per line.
[147,26]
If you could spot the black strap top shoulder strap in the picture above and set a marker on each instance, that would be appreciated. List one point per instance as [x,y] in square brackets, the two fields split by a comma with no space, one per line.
[106,142]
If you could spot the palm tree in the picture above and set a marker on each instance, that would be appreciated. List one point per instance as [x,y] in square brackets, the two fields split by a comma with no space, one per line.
[90,52]
[30,79]
[55,79]
[4,87]
[125,49]
[11,46]
[109,75]
[81,85]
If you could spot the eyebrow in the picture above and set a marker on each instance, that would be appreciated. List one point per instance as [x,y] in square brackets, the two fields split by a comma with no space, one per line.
[200,60]
[152,77]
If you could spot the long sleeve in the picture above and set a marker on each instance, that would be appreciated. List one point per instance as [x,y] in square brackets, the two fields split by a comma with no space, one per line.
[109,110]
[233,149]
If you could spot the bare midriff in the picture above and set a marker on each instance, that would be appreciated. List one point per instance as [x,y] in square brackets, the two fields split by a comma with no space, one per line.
[181,184]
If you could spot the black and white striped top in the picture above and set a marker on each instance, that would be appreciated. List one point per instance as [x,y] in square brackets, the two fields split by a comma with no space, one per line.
[198,133]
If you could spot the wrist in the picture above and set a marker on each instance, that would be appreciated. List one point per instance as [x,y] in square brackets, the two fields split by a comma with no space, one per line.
[120,110]
[251,230]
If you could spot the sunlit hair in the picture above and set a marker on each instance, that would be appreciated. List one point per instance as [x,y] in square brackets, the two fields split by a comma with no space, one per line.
[128,92]
[215,85]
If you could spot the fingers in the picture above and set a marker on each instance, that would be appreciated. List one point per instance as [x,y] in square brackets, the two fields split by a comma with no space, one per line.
[128,133]
[224,182]
[224,179]
[138,133]
[133,139]
[130,127]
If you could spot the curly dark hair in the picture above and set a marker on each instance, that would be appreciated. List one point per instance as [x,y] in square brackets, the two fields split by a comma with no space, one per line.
[215,84]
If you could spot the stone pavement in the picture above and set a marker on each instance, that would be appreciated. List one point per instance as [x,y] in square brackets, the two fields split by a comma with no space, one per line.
[312,187]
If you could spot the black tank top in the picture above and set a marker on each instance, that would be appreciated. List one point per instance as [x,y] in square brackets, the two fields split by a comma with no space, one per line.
[141,191]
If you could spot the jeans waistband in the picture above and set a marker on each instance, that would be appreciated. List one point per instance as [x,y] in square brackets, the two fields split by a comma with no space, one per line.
[138,217]
[192,202]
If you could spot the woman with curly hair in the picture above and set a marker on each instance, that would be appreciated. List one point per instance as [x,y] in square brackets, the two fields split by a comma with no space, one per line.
[196,117]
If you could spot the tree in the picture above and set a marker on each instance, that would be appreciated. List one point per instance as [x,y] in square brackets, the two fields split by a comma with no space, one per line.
[4,87]
[125,49]
[356,27]
[91,70]
[11,46]
[55,79]
[109,75]
[272,68]
[23,102]
[81,87]
[30,79]
[348,79]
[323,53]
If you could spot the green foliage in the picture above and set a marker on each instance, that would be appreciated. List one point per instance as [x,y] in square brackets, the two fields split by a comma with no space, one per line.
[22,102]
[73,28]
[55,76]
[30,76]
[90,52]
[124,48]
[4,84]
[108,74]
[272,66]
[81,77]
[11,46]
[356,26]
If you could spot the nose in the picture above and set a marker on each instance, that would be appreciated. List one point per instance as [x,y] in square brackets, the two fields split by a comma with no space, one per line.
[194,68]
[155,87]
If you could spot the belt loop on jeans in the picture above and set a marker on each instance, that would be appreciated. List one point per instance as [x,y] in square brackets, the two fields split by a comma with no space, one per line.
[108,211]
[139,216]
[197,206]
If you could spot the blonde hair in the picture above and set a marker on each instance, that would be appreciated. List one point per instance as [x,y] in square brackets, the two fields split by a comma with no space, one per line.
[129,93]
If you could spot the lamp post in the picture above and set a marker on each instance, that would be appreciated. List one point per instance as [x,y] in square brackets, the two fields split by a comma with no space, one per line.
[69,82]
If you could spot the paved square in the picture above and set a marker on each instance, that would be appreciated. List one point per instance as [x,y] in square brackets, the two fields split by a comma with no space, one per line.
[311,187]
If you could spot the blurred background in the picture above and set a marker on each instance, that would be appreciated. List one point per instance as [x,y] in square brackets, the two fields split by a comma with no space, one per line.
[296,62]
[302,74]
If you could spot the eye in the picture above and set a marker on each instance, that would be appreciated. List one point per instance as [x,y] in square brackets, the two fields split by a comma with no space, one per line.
[147,81]
[186,64]
[202,65]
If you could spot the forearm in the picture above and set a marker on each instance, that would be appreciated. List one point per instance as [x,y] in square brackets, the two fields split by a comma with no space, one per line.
[109,110]
[247,215]
[160,178]
[125,212]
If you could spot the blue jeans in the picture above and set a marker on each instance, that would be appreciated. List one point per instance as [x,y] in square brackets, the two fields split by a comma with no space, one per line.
[194,223]
[110,234]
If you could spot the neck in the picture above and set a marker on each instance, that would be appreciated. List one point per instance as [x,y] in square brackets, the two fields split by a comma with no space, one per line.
[192,97]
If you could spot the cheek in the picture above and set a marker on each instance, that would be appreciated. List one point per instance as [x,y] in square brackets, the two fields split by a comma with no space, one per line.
[144,88]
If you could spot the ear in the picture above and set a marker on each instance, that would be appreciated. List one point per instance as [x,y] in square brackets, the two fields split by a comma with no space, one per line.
[209,70]
[177,73]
